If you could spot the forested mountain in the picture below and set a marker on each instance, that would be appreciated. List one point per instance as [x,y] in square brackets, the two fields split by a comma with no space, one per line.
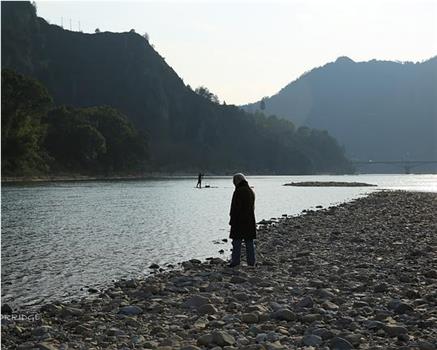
[40,138]
[378,110]
[186,131]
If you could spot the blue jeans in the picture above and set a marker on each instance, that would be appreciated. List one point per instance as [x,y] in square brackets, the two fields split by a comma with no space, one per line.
[236,251]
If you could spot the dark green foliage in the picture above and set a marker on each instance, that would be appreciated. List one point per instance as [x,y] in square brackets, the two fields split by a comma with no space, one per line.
[322,149]
[125,147]
[188,131]
[94,140]
[36,140]
[24,102]
[20,35]
[71,140]
[262,104]
[204,92]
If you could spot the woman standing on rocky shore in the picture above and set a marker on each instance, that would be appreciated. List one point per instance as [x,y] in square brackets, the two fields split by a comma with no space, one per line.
[243,225]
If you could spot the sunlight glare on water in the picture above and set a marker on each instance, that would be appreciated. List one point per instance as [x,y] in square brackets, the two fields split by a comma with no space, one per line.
[58,237]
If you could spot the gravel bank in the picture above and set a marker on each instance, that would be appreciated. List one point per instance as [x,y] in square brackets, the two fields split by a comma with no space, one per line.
[329,184]
[362,275]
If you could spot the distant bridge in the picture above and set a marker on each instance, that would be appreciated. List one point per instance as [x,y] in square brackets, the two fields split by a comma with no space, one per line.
[406,164]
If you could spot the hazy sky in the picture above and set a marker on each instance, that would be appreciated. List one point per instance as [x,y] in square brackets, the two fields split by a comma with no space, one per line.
[244,50]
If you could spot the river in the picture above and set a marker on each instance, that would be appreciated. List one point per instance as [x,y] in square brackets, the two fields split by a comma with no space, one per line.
[58,237]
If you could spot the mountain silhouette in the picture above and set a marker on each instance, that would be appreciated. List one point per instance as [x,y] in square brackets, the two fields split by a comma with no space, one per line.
[379,110]
[187,131]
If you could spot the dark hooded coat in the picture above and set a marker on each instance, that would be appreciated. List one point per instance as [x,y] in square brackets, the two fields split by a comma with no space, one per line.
[243,225]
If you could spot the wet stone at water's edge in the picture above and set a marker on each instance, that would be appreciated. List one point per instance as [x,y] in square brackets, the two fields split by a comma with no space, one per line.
[355,276]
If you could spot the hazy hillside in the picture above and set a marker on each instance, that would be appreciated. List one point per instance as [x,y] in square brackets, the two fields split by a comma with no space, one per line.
[378,110]
[186,132]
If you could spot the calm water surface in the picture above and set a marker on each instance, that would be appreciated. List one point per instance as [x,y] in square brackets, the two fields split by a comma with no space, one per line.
[59,237]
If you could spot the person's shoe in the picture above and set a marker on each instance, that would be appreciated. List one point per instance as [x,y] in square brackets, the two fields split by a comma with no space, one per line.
[233,265]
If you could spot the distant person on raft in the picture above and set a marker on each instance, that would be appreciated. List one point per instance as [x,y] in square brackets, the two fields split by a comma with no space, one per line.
[199,180]
[243,225]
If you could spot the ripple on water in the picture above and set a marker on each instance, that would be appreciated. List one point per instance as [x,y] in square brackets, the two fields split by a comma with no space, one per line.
[59,237]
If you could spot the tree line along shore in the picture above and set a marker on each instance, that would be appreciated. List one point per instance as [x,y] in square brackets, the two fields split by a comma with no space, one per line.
[361,275]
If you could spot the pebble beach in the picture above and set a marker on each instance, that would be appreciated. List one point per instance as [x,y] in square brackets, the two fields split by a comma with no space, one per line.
[361,275]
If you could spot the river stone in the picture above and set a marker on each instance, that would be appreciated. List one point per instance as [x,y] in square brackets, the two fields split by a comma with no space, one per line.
[184,281]
[312,340]
[84,330]
[6,309]
[403,308]
[305,302]
[394,331]
[51,309]
[261,337]
[196,301]
[359,304]
[274,346]
[394,303]
[150,344]
[241,296]
[381,315]
[152,288]
[255,329]
[375,324]
[222,338]
[47,346]
[237,279]
[412,293]
[216,261]
[311,318]
[338,343]
[315,282]
[283,315]
[190,347]
[157,330]
[328,305]
[205,340]
[72,311]
[132,283]
[354,338]
[207,309]
[425,345]
[323,293]
[215,277]
[130,310]
[200,324]
[229,318]
[272,337]
[323,333]
[242,340]
[42,330]
[430,274]
[115,332]
[249,317]
[170,343]
[257,308]
[381,288]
